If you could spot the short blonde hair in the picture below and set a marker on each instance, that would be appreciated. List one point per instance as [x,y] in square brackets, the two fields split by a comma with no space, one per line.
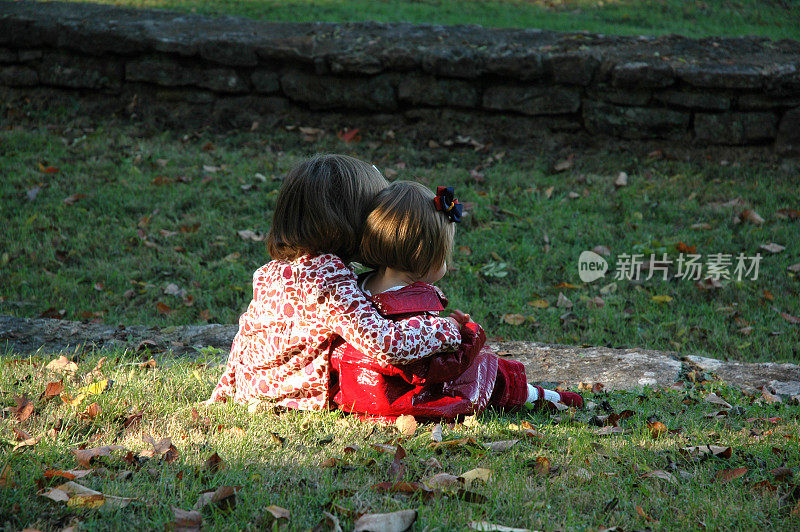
[404,231]
[321,207]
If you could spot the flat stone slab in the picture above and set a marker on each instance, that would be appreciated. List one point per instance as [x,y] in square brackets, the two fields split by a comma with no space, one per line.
[616,369]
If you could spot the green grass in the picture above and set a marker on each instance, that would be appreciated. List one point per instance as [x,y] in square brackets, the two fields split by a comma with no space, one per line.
[770,18]
[594,481]
[164,208]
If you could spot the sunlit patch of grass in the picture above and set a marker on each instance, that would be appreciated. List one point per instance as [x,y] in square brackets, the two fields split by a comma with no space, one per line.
[153,238]
[592,481]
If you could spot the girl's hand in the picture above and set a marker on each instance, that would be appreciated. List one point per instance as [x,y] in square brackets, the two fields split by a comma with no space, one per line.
[460,317]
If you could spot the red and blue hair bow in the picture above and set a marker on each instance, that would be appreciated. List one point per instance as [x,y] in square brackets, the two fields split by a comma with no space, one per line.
[446,202]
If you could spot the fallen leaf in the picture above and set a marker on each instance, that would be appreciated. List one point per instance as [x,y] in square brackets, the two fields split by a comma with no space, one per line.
[214,464]
[726,475]
[514,319]
[564,164]
[436,433]
[749,215]
[349,135]
[407,425]
[444,480]
[657,429]
[641,512]
[478,473]
[609,430]
[91,411]
[486,526]
[62,365]
[328,523]
[96,388]
[397,468]
[163,309]
[661,299]
[500,446]
[391,522]
[224,498]
[717,400]
[539,303]
[772,247]
[53,389]
[541,466]
[696,451]
[186,520]
[5,477]
[791,319]
[621,180]
[85,456]
[563,301]
[24,407]
[72,199]
[32,193]
[247,234]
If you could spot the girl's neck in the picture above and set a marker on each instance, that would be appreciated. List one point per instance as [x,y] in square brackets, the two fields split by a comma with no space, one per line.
[386,278]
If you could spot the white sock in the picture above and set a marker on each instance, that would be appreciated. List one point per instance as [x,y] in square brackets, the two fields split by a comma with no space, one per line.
[550,395]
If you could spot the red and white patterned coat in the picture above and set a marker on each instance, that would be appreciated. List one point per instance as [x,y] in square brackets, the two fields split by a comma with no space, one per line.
[282,350]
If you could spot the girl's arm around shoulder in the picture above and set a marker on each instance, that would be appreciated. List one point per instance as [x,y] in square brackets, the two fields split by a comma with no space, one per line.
[345,309]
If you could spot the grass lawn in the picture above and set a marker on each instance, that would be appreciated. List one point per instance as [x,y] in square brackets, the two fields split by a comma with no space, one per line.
[119,223]
[776,19]
[571,471]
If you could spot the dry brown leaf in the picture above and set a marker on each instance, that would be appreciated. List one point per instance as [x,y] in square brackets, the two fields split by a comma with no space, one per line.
[224,498]
[726,475]
[85,456]
[186,520]
[609,430]
[486,526]
[541,466]
[391,522]
[24,408]
[563,301]
[91,411]
[214,464]
[500,446]
[696,451]
[621,180]
[514,319]
[407,425]
[749,215]
[444,480]
[62,365]
[641,512]
[53,389]
[657,429]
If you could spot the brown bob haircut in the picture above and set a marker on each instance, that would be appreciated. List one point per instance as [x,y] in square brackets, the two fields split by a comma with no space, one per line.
[404,231]
[321,207]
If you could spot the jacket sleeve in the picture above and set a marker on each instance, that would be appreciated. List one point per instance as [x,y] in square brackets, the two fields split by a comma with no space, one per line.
[348,313]
[445,367]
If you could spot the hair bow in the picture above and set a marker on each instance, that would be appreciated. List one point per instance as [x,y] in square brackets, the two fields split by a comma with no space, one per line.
[446,202]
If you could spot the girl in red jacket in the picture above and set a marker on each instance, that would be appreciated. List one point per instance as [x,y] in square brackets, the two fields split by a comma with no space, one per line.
[307,296]
[408,238]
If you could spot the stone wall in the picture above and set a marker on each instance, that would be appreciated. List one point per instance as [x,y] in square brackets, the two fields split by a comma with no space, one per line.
[743,91]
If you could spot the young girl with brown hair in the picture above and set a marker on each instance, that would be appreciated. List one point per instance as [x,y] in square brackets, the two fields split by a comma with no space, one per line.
[307,295]
[408,239]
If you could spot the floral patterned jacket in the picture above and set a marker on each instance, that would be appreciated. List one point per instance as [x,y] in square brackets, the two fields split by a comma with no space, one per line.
[282,350]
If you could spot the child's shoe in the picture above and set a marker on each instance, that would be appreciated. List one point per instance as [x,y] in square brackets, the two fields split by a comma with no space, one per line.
[571,399]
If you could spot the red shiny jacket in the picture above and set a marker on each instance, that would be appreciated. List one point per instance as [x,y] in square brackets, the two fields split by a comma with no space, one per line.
[444,385]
